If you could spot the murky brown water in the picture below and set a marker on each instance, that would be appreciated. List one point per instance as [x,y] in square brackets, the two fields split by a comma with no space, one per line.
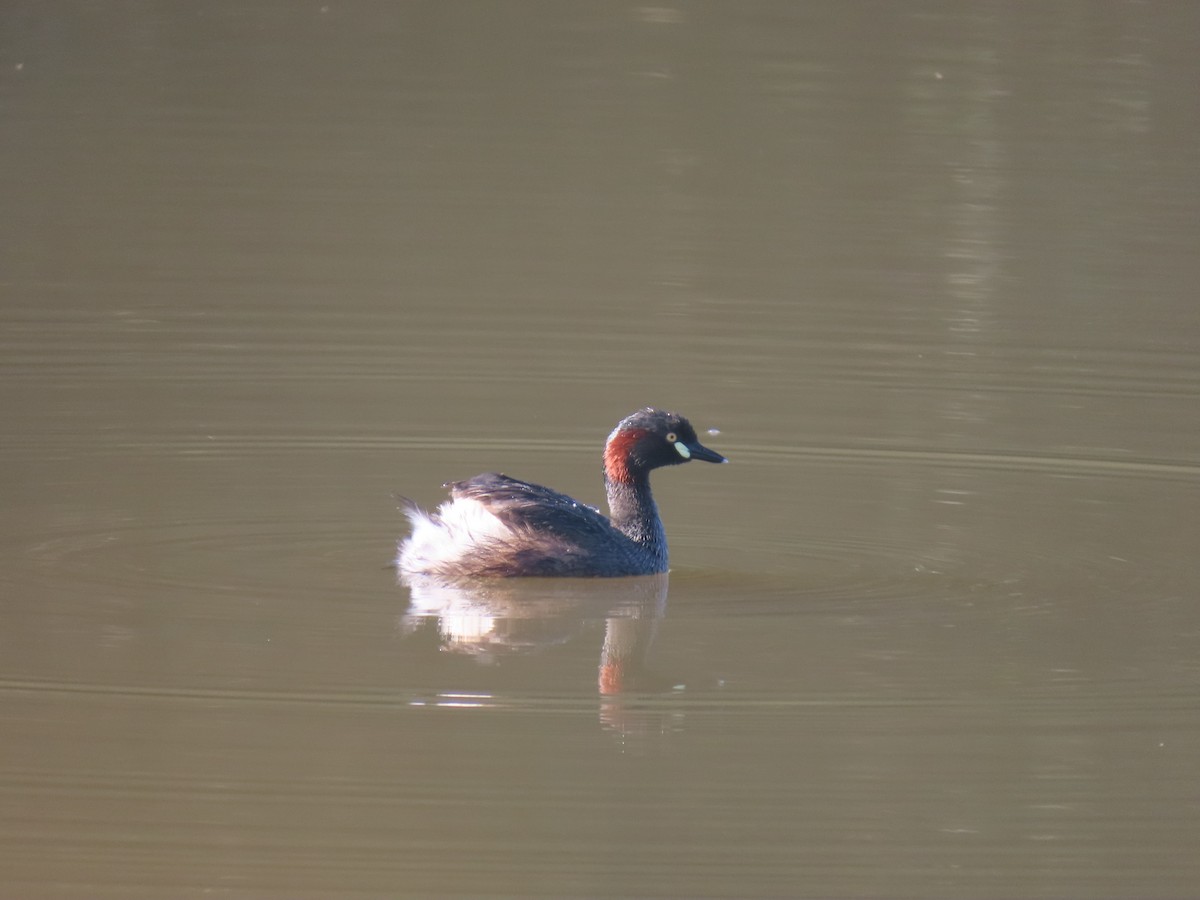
[930,268]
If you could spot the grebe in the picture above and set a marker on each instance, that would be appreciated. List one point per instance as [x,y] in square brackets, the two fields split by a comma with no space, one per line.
[494,525]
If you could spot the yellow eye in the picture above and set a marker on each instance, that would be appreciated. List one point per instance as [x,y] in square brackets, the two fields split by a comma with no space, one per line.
[672,437]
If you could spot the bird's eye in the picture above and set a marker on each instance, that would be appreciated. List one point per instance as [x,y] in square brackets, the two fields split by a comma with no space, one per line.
[672,437]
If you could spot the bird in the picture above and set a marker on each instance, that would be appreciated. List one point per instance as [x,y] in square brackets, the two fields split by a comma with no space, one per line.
[497,526]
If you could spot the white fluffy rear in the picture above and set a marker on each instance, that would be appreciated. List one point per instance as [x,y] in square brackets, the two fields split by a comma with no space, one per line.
[442,543]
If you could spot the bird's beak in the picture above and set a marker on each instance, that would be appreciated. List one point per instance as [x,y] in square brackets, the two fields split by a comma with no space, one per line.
[699,451]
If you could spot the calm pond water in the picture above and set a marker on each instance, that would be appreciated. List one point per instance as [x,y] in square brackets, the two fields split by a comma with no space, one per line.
[929,269]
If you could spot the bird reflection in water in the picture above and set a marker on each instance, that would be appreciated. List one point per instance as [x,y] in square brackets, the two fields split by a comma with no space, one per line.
[494,619]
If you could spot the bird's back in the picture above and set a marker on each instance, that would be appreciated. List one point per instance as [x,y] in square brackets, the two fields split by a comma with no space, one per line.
[501,526]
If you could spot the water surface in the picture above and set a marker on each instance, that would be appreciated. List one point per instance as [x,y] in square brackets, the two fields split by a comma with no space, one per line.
[929,270]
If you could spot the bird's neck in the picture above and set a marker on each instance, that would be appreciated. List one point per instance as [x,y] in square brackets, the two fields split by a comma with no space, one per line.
[635,514]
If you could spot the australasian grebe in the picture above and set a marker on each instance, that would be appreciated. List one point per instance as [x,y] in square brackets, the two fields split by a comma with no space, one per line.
[494,525]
